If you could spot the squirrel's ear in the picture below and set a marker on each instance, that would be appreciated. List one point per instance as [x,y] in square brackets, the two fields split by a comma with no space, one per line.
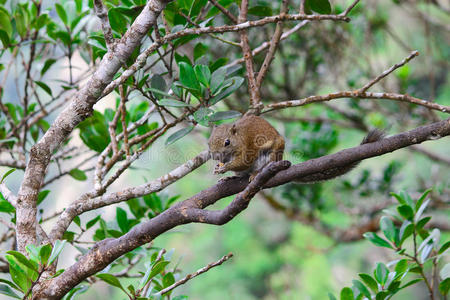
[233,129]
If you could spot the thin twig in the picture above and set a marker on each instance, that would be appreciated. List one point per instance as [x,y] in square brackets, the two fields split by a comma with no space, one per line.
[224,11]
[195,274]
[388,71]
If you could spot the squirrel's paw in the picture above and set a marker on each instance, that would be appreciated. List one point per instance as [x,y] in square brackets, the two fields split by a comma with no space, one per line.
[220,168]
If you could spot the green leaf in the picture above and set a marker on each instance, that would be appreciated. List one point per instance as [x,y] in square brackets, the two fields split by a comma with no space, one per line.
[77,221]
[5,206]
[112,280]
[158,83]
[173,103]
[401,266]
[178,135]
[369,281]
[411,282]
[382,295]
[444,286]
[57,248]
[422,198]
[92,222]
[18,275]
[44,253]
[48,63]
[6,175]
[381,273]
[11,284]
[399,198]
[203,74]
[406,211]
[187,76]
[224,115]
[217,79]
[158,268]
[78,174]
[122,220]
[5,290]
[5,22]
[45,87]
[199,50]
[23,260]
[168,279]
[360,286]
[387,226]
[375,239]
[319,6]
[422,222]
[347,294]
[42,195]
[117,20]
[236,82]
[201,116]
[260,11]
[444,247]
[61,13]
[406,231]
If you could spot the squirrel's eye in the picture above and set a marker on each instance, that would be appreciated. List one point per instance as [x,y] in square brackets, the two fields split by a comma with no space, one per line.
[227,142]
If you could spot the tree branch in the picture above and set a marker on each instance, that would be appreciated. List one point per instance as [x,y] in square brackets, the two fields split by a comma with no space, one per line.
[106,251]
[202,270]
[79,109]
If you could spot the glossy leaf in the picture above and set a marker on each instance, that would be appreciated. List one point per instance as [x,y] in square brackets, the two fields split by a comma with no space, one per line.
[111,280]
[347,294]
[178,135]
[444,286]
[319,6]
[405,211]
[122,220]
[375,239]
[44,253]
[57,248]
[381,273]
[224,115]
[173,103]
[7,291]
[236,82]
[217,79]
[361,287]
[61,13]
[187,76]
[203,74]
[387,226]
[22,259]
[369,281]
[78,174]
[6,175]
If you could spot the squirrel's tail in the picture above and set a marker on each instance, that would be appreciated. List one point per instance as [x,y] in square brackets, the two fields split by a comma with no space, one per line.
[373,136]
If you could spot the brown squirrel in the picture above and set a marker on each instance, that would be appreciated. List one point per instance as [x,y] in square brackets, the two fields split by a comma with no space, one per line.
[250,143]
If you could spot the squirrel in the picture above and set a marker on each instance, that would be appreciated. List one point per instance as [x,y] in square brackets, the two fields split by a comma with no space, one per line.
[250,143]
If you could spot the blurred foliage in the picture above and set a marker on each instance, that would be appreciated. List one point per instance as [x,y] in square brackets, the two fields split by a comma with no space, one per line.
[279,255]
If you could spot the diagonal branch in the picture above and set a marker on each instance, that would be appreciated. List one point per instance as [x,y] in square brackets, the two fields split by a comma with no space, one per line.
[253,88]
[242,200]
[388,71]
[106,251]
[102,14]
[79,109]
[198,272]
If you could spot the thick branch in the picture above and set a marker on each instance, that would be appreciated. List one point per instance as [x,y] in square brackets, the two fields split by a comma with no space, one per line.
[108,250]
[79,109]
[220,217]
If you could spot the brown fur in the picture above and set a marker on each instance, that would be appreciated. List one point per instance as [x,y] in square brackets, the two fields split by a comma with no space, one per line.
[253,144]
